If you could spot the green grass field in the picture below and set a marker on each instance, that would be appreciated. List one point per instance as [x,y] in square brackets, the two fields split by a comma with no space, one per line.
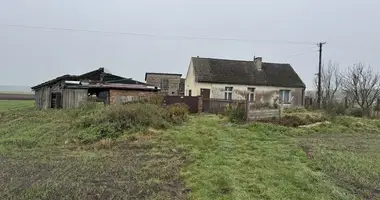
[6,105]
[263,161]
[42,156]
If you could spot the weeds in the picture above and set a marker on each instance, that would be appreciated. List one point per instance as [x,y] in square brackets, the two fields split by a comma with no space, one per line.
[112,121]
[80,154]
[235,114]
[89,123]
[298,119]
[177,113]
[295,110]
[104,144]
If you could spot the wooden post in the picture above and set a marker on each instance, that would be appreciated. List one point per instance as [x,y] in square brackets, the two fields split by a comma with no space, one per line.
[281,109]
[200,104]
[247,107]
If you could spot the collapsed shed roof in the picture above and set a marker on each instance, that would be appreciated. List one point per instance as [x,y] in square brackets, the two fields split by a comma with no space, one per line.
[98,74]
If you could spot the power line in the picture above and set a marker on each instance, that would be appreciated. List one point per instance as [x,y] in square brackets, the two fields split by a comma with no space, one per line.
[299,53]
[161,36]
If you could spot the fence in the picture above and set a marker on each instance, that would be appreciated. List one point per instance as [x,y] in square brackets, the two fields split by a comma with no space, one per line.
[194,103]
[254,112]
[218,106]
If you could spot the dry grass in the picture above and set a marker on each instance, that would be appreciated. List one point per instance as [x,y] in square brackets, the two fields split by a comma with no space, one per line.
[103,144]
[45,155]
[340,160]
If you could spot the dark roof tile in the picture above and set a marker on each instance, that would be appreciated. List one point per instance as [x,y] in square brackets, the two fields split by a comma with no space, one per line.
[213,70]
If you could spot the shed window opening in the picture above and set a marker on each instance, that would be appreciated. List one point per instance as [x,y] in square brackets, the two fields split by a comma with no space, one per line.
[251,94]
[285,96]
[228,93]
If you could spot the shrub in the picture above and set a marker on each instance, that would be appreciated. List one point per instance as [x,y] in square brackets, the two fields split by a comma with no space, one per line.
[103,144]
[355,112]
[156,99]
[299,119]
[235,114]
[177,112]
[334,109]
[295,110]
[294,121]
[111,121]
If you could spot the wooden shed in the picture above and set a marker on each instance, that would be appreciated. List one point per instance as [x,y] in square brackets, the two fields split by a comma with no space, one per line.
[69,91]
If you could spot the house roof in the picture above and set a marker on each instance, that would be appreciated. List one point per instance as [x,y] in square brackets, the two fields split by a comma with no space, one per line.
[212,70]
[92,75]
[155,73]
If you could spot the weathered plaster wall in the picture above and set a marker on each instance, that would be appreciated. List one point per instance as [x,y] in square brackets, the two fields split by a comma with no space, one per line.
[173,82]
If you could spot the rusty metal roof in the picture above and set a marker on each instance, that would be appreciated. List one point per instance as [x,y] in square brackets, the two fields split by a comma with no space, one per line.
[117,86]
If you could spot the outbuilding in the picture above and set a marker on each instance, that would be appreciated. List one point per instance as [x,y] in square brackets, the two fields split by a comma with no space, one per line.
[70,91]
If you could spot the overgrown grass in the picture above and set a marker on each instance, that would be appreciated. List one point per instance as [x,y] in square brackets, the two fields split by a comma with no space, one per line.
[50,154]
[136,152]
[266,161]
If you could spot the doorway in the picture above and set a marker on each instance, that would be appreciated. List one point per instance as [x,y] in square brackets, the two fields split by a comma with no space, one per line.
[56,100]
[205,93]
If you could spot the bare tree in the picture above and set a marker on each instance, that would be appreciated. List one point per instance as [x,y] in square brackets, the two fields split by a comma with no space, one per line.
[362,84]
[331,82]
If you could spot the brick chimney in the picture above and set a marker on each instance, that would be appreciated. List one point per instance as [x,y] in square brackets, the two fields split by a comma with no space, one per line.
[257,61]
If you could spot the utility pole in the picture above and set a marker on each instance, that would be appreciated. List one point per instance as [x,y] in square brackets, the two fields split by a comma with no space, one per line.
[320,74]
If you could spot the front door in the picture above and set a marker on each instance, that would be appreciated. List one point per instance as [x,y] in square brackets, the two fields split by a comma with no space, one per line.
[205,93]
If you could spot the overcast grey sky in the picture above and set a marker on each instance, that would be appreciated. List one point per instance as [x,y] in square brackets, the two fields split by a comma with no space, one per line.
[30,56]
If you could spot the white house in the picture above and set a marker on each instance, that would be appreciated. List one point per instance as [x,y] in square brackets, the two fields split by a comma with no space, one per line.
[234,79]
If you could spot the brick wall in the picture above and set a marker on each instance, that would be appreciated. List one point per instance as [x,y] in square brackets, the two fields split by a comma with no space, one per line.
[173,82]
[120,94]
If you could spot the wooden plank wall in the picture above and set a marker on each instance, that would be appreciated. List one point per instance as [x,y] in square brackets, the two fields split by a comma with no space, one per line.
[42,98]
[263,114]
[72,98]
[38,98]
[218,106]
[255,112]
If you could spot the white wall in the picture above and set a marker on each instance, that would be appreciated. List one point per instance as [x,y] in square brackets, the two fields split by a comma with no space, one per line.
[263,94]
[190,81]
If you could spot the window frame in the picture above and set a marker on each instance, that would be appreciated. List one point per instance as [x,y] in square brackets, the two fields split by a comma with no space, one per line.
[251,94]
[228,93]
[282,99]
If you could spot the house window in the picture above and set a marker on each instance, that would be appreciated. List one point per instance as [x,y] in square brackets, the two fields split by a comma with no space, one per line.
[228,93]
[251,94]
[285,96]
[190,93]
[165,84]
